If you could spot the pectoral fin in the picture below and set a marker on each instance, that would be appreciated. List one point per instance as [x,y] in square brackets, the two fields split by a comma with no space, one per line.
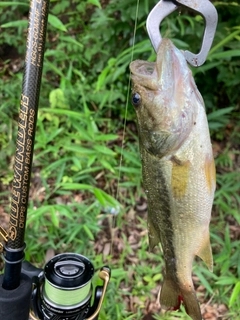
[205,252]
[210,173]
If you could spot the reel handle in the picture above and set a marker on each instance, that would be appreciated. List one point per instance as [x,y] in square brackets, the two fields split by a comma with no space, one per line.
[104,274]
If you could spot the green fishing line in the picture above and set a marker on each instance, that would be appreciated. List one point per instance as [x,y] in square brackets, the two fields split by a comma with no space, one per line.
[65,297]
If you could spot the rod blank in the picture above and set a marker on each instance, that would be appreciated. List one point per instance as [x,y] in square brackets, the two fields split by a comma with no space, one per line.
[37,27]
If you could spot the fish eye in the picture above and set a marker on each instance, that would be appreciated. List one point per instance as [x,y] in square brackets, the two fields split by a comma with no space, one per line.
[136,99]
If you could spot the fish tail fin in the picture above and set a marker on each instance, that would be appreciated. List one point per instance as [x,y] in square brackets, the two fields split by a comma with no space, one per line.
[191,305]
[172,295]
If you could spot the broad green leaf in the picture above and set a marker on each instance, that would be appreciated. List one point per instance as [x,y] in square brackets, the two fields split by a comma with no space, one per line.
[101,78]
[35,214]
[77,162]
[71,40]
[118,273]
[18,23]
[91,160]
[108,202]
[130,170]
[224,41]
[219,113]
[226,280]
[106,137]
[57,99]
[235,294]
[88,232]
[127,184]
[206,67]
[76,232]
[56,164]
[52,66]
[225,54]
[104,150]
[95,2]
[69,113]
[132,157]
[112,201]
[204,281]
[54,217]
[147,278]
[83,151]
[157,277]
[107,165]
[100,196]
[220,3]
[76,186]
[14,3]
[56,23]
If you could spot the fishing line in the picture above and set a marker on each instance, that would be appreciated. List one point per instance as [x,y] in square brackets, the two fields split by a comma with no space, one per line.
[114,219]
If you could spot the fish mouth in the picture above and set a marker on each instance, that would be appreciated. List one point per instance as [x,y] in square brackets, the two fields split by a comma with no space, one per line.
[170,68]
[145,69]
[144,73]
[142,68]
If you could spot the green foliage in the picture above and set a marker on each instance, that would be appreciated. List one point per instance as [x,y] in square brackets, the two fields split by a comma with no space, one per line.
[81,173]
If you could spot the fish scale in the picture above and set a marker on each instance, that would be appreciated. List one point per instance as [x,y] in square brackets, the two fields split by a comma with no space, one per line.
[177,167]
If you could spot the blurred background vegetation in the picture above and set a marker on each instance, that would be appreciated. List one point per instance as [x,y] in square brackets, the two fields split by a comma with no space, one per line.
[86,169]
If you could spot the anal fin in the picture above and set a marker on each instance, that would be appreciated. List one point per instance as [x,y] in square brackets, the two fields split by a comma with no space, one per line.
[205,252]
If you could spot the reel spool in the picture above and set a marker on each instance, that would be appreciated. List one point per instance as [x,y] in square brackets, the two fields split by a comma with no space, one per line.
[64,289]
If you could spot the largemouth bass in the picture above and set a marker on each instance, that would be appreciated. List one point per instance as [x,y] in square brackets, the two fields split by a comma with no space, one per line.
[178,169]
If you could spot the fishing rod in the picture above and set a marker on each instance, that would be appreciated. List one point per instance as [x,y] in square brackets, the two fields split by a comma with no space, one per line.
[63,289]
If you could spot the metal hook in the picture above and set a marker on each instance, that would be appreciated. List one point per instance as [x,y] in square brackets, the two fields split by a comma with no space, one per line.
[204,7]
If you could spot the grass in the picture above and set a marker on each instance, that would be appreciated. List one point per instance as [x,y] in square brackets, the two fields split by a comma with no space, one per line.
[82,179]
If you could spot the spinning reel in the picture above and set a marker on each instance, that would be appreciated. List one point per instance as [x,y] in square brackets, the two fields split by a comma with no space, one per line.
[64,290]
